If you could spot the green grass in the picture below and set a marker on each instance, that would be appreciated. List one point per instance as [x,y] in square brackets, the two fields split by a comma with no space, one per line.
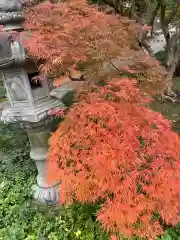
[168,109]
[20,217]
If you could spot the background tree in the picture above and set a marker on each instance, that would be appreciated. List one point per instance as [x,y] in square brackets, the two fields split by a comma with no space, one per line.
[146,11]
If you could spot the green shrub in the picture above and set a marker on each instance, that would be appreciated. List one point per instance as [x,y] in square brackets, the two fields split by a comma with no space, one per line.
[161,56]
[20,217]
[172,233]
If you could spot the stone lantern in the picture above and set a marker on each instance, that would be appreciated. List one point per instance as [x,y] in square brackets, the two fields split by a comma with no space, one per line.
[29,101]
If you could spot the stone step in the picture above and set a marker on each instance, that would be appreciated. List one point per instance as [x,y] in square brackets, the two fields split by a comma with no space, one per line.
[64,89]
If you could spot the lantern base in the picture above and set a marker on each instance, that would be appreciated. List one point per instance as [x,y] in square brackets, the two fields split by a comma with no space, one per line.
[45,195]
[44,192]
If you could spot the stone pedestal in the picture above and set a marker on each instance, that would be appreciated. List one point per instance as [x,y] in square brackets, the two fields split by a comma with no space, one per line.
[29,101]
[38,134]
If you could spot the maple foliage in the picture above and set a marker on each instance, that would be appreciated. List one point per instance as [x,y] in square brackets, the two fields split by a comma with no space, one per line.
[111,146]
[73,35]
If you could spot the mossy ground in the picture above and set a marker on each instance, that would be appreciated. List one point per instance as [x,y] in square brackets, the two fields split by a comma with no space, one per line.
[169,109]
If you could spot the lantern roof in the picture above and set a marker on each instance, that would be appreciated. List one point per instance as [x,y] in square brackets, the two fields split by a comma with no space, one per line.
[11,51]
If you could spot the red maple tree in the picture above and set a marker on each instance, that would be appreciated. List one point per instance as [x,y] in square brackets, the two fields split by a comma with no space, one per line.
[73,35]
[110,145]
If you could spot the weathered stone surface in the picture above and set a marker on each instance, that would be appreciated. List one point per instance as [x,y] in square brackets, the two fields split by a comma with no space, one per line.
[10,52]
[3,105]
[5,48]
[10,5]
[30,114]
[11,14]
[10,17]
[38,134]
[64,89]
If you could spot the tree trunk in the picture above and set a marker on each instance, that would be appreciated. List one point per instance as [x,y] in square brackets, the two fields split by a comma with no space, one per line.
[154,14]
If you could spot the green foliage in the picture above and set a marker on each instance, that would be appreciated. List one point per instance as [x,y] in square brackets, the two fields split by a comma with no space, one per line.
[171,233]
[12,137]
[20,217]
[93,1]
[161,56]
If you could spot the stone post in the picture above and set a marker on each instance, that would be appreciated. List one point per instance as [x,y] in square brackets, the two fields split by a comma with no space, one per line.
[28,103]
[38,134]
